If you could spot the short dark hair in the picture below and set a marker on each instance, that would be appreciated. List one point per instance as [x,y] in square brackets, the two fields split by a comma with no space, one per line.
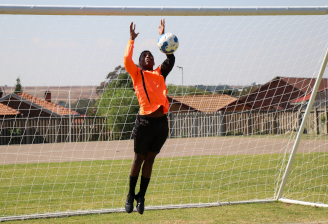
[143,53]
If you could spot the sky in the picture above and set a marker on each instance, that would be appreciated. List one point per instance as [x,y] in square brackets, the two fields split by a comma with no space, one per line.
[81,50]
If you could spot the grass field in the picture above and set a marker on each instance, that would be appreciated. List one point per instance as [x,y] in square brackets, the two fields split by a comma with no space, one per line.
[274,212]
[70,186]
[289,135]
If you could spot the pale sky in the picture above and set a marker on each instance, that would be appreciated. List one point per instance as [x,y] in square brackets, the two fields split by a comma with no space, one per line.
[81,50]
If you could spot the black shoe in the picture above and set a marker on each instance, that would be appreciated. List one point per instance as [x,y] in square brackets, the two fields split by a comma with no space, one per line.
[140,204]
[129,204]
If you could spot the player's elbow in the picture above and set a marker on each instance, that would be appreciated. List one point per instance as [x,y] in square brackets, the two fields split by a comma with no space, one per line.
[127,59]
[127,62]
[171,58]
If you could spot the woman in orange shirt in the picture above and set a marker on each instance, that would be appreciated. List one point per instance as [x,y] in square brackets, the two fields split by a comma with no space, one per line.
[151,128]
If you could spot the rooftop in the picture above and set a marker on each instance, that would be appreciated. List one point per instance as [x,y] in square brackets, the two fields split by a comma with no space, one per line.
[6,110]
[47,105]
[205,103]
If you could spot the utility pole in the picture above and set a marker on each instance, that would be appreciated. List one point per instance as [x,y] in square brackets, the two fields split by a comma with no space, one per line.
[181,78]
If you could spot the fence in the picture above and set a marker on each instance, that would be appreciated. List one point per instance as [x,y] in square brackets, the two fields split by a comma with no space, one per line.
[192,124]
[195,124]
[53,130]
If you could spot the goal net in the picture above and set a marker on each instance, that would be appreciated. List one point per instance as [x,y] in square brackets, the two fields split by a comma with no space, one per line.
[245,122]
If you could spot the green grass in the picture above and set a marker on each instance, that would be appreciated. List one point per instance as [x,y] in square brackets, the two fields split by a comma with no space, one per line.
[274,212]
[292,135]
[288,135]
[70,186]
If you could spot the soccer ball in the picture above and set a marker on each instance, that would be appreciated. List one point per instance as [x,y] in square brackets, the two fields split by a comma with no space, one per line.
[168,43]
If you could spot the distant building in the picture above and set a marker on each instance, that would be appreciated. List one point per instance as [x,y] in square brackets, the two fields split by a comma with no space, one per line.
[255,84]
[320,101]
[30,106]
[277,94]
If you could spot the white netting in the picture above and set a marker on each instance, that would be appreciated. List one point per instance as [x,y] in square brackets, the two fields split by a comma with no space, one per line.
[222,148]
[308,179]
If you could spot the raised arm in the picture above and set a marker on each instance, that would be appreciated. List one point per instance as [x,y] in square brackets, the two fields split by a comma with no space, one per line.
[129,65]
[168,64]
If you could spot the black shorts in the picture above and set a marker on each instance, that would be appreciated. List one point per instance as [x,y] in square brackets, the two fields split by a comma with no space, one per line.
[150,134]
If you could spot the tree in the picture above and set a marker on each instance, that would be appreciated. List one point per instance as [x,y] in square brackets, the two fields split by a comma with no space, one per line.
[111,76]
[173,90]
[229,92]
[84,106]
[18,88]
[120,105]
[245,91]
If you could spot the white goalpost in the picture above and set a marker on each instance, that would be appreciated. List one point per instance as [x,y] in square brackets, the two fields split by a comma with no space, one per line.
[248,108]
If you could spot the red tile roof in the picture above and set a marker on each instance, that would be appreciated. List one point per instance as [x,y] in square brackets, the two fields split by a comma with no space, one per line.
[278,93]
[6,110]
[306,97]
[47,105]
[305,84]
[275,94]
[205,103]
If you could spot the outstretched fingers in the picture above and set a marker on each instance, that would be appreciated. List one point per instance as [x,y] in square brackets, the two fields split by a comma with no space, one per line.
[161,28]
[131,27]
[133,34]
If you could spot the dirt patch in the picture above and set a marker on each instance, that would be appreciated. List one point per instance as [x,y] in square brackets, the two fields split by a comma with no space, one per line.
[109,150]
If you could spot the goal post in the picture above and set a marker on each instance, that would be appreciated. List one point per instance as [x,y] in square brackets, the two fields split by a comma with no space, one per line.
[160,11]
[301,128]
[248,108]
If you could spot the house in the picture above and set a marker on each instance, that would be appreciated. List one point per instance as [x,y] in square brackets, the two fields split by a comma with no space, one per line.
[320,101]
[7,112]
[277,94]
[199,103]
[30,106]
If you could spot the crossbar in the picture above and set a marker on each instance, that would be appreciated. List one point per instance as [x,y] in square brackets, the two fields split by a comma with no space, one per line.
[161,11]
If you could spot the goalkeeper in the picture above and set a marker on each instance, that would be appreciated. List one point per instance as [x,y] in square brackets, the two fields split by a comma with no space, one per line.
[151,127]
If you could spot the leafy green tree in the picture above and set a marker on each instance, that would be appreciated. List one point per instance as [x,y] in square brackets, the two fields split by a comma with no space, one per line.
[174,90]
[84,106]
[245,91]
[111,76]
[18,88]
[62,103]
[120,105]
[227,92]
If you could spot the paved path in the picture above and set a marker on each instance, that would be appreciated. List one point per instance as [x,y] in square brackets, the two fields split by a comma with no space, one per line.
[86,151]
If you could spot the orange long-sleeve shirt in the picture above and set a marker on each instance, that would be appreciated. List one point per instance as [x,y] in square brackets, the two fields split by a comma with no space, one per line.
[154,82]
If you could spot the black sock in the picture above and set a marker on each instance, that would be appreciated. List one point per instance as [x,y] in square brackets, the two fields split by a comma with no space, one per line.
[143,186]
[133,183]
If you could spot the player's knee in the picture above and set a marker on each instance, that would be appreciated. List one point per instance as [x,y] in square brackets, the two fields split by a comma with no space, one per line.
[150,160]
[138,159]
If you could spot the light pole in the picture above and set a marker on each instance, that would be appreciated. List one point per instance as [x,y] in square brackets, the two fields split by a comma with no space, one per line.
[182,78]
